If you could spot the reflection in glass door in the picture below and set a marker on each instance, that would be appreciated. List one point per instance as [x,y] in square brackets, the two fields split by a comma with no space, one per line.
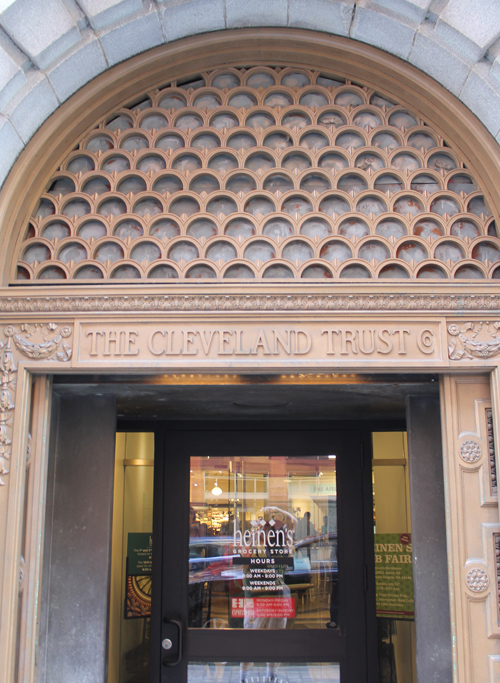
[250,672]
[261,576]
[263,542]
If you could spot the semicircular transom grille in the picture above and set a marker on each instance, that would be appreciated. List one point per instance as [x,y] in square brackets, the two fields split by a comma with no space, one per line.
[261,173]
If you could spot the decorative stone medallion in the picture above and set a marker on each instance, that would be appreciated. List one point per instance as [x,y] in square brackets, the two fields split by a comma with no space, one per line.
[470,451]
[477,580]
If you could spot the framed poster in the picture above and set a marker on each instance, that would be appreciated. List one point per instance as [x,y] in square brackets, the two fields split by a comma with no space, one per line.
[138,576]
[394,576]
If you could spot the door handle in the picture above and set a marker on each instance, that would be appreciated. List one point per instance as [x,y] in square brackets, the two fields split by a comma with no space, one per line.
[171,642]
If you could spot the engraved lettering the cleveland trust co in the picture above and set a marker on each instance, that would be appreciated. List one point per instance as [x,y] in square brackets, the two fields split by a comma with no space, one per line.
[282,341]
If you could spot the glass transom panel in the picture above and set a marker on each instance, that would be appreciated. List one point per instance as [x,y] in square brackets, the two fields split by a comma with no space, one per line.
[284,173]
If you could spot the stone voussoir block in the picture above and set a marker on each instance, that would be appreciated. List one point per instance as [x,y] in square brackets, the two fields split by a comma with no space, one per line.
[331,16]
[77,67]
[470,26]
[188,17]
[481,93]
[436,59]
[12,76]
[11,146]
[414,10]
[383,28]
[131,37]
[43,30]
[240,13]
[102,13]
[32,105]
[494,57]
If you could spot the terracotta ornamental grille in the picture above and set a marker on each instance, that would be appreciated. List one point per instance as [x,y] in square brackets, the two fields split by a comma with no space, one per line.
[261,173]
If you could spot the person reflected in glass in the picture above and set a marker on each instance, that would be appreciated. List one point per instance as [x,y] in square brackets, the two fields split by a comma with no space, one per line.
[334,597]
[194,525]
[196,587]
[305,528]
[275,530]
[227,527]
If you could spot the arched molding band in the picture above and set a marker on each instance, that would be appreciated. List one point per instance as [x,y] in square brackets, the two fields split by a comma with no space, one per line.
[50,49]
[350,59]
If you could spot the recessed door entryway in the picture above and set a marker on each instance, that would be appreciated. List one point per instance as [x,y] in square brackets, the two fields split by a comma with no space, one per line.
[260,568]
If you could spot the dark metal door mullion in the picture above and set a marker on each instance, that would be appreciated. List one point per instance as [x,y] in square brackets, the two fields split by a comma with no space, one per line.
[352,558]
[175,554]
[156,597]
[288,645]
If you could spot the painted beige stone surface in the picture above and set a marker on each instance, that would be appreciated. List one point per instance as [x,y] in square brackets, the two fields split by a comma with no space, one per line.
[24,424]
[257,344]
[472,527]
[197,341]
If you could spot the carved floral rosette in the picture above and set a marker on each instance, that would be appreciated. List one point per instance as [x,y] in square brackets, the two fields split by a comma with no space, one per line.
[470,451]
[38,341]
[477,580]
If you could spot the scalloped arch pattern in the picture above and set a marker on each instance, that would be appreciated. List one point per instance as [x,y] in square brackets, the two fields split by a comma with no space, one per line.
[261,173]
[50,52]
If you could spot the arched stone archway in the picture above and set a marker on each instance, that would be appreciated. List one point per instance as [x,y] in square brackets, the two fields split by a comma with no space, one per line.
[49,50]
[84,56]
[153,68]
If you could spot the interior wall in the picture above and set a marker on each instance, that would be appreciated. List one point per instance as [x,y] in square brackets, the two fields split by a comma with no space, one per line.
[391,495]
[132,512]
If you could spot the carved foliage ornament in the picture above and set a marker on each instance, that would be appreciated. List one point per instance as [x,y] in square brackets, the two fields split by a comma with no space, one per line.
[491,451]
[42,341]
[39,341]
[250,302]
[464,342]
[8,384]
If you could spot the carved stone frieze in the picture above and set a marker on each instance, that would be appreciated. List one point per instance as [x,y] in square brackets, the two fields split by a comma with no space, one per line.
[8,371]
[38,341]
[470,451]
[249,302]
[477,580]
[491,451]
[496,540]
[464,342]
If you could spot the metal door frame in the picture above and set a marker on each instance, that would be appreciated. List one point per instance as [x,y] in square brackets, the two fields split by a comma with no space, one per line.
[176,470]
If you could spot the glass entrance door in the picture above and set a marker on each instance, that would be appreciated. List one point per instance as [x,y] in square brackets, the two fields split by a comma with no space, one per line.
[260,575]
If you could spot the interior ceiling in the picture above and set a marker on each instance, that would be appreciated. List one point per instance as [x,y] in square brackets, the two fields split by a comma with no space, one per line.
[364,397]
